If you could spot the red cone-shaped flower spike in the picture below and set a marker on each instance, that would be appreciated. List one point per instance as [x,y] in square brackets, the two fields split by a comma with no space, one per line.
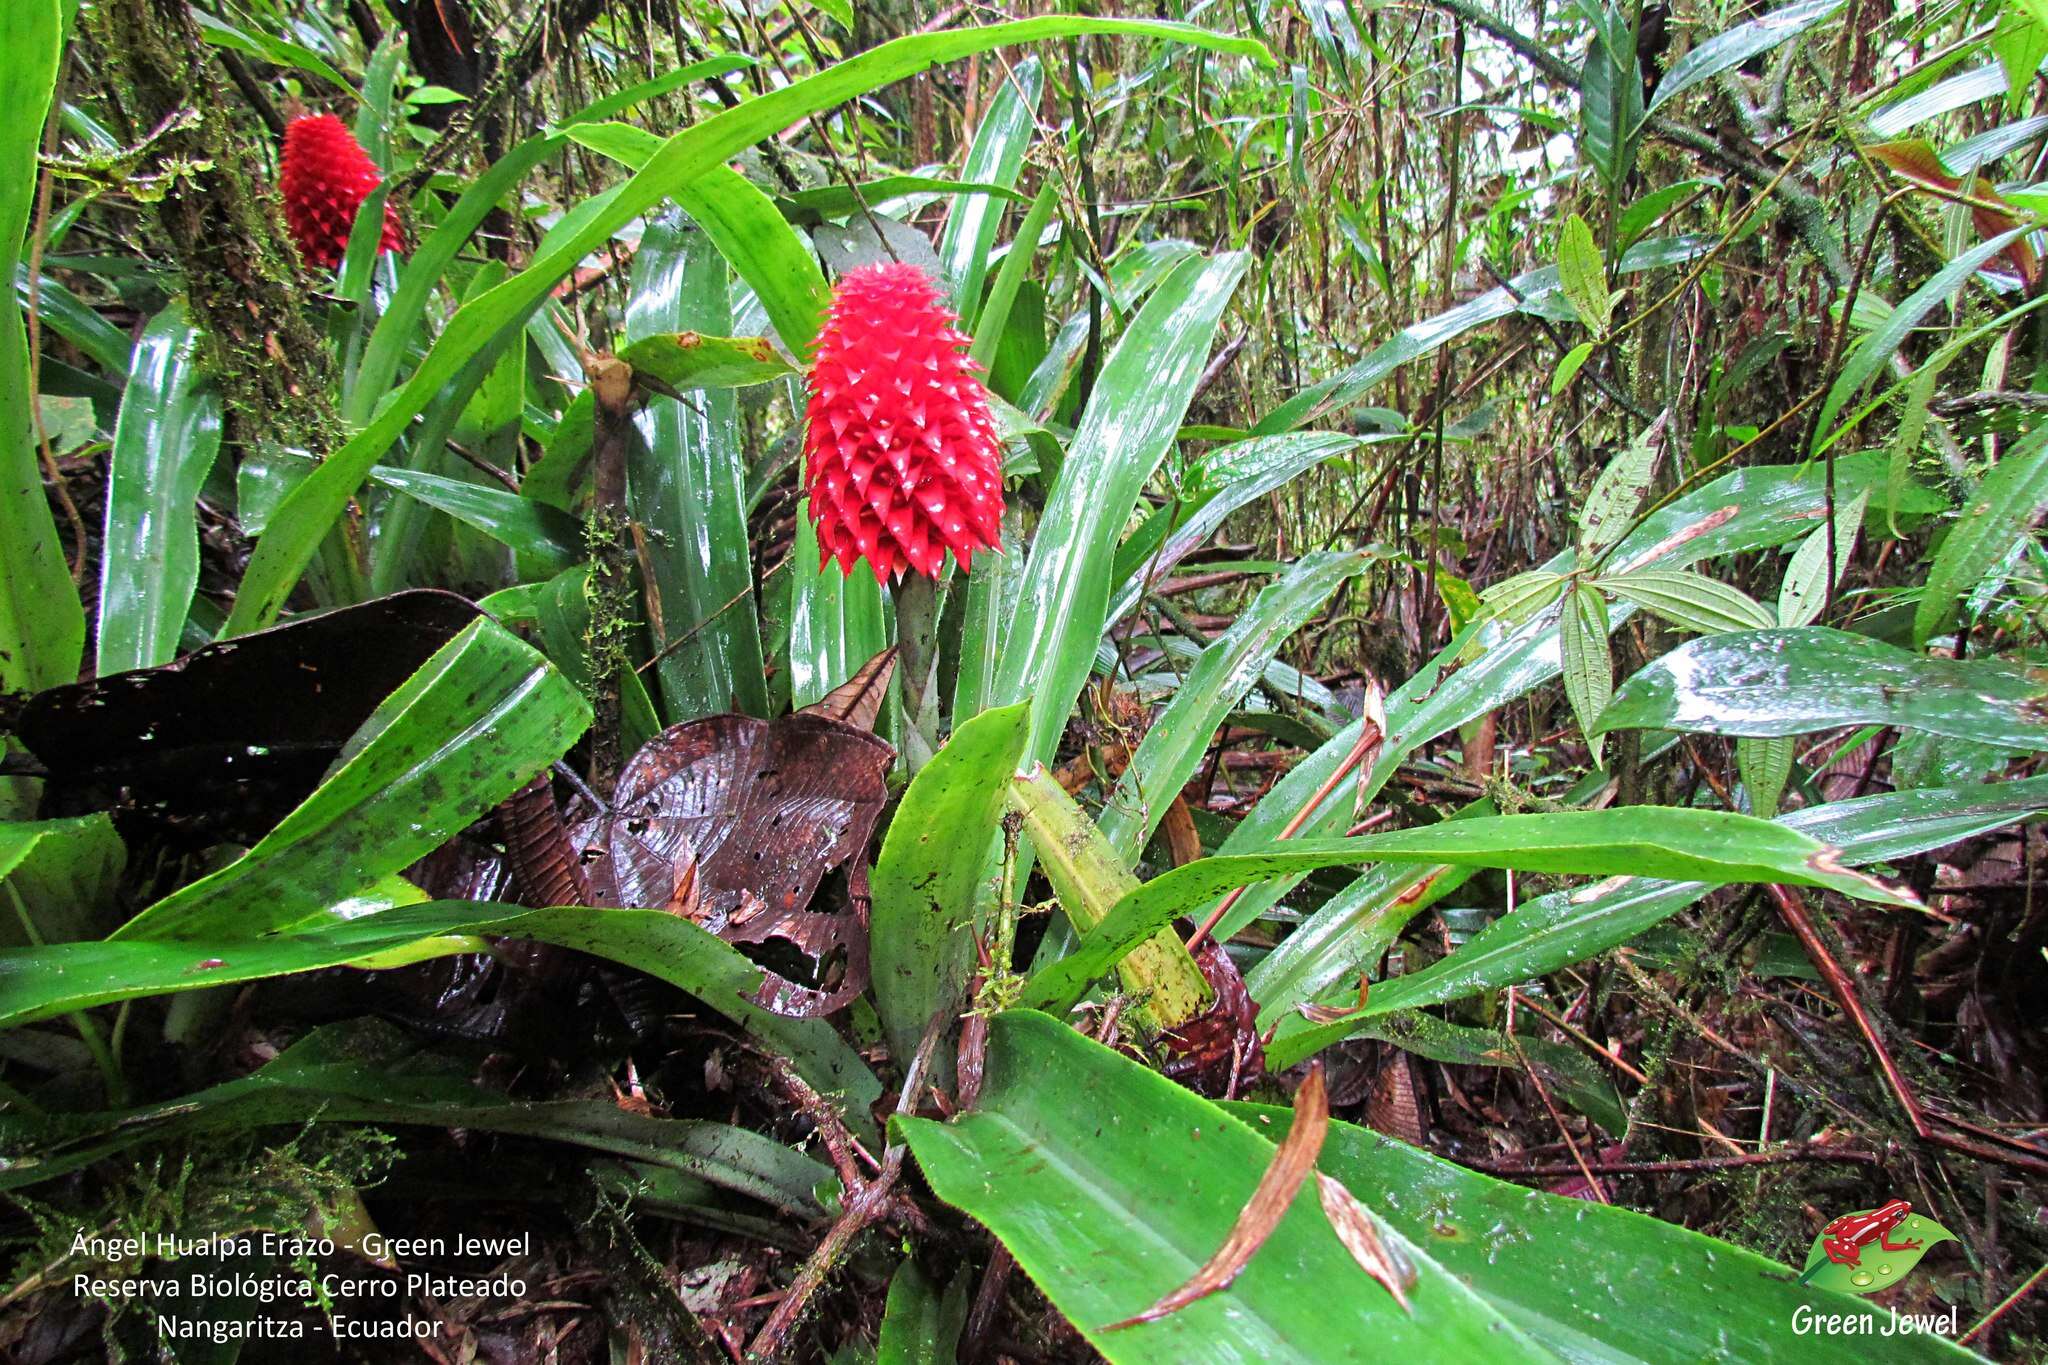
[327,176]
[901,459]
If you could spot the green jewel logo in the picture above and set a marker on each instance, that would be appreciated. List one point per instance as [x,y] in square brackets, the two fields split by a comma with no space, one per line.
[1872,1249]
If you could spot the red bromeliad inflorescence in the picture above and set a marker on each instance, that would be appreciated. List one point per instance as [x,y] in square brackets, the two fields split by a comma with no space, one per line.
[326,177]
[901,459]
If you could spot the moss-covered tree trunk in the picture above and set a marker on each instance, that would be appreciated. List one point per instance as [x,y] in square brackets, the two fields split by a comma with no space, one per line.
[223,227]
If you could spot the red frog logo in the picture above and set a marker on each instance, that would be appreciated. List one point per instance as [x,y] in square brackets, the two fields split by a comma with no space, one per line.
[1844,1239]
[1869,1251]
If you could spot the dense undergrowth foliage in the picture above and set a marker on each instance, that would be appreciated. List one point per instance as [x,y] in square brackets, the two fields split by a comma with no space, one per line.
[1494,672]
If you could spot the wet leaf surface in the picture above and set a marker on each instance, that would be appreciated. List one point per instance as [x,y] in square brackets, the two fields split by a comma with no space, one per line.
[1112,1185]
[1294,1160]
[1790,682]
[734,822]
[224,742]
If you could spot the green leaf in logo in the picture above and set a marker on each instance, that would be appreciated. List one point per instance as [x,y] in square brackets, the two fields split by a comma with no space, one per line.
[1876,1268]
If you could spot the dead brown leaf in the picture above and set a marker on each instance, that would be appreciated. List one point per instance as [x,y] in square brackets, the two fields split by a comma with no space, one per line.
[1293,1160]
[858,700]
[1915,159]
[1355,1229]
[734,822]
[1218,1052]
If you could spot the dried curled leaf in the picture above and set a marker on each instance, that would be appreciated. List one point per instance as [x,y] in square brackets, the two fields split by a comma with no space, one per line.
[858,700]
[1293,1161]
[1355,1229]
[1217,1052]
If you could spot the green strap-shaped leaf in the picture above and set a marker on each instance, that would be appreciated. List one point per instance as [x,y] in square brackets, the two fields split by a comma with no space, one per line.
[463,733]
[70,317]
[2010,499]
[1789,682]
[1173,747]
[1002,295]
[398,329]
[930,871]
[42,622]
[367,1072]
[921,1326]
[686,486]
[549,540]
[1491,663]
[1648,840]
[1610,95]
[1574,1274]
[277,51]
[1130,424]
[164,444]
[1732,48]
[750,230]
[996,156]
[1235,475]
[1876,350]
[309,510]
[1111,1185]
[695,360]
[399,525]
[1564,927]
[844,200]
[1344,937]
[837,621]
[990,606]
[39,983]
[1328,399]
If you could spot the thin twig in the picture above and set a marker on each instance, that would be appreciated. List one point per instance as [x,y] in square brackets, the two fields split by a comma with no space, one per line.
[1844,990]
[2010,1299]
[1369,738]
[861,1203]
[1550,1105]
[1685,1166]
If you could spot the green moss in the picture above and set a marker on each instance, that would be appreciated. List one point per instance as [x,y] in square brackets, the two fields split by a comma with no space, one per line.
[225,1185]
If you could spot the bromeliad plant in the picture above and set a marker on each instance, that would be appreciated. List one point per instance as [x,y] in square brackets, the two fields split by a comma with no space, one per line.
[900,452]
[746,748]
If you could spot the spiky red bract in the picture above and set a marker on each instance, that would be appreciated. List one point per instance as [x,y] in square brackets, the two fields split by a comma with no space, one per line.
[326,177]
[901,459]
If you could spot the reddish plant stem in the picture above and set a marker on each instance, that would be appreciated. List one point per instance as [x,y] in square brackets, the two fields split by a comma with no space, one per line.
[988,1301]
[2010,1299]
[863,1202]
[1844,990]
[1369,738]
[1550,1106]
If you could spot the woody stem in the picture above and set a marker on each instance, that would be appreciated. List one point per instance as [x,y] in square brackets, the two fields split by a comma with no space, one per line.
[917,601]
